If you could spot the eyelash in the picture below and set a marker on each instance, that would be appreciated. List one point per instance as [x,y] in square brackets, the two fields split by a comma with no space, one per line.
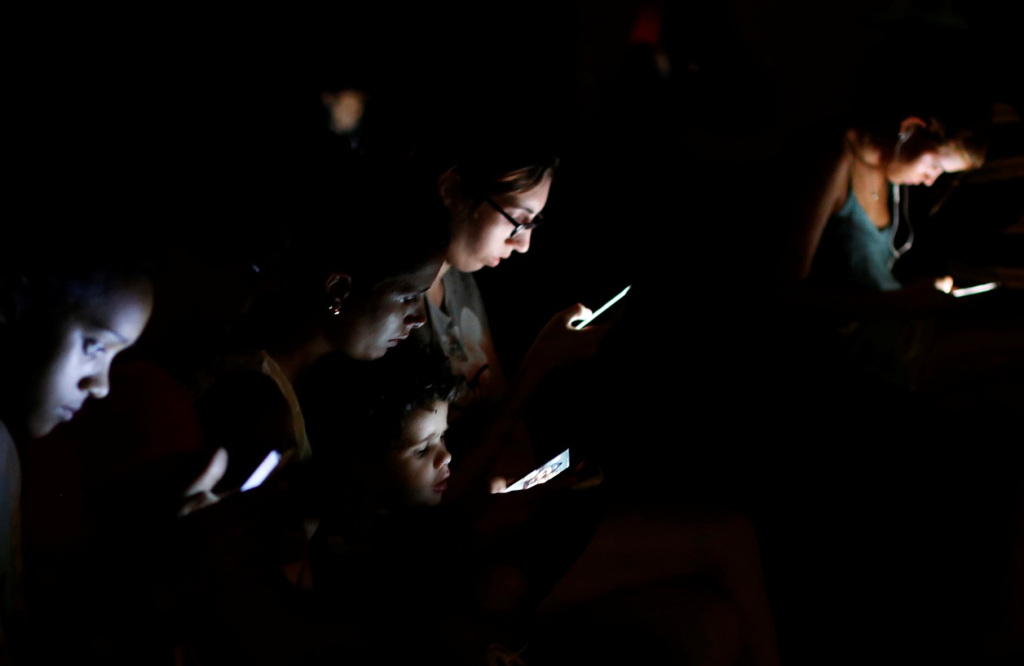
[422,453]
[92,347]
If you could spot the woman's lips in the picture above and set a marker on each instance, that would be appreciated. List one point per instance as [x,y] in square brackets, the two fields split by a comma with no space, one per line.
[393,342]
[442,485]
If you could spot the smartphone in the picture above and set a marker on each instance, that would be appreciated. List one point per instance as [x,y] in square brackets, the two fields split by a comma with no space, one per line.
[263,471]
[542,474]
[976,289]
[580,323]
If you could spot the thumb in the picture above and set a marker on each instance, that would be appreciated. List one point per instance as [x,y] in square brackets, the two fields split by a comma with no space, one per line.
[211,475]
[498,485]
[577,314]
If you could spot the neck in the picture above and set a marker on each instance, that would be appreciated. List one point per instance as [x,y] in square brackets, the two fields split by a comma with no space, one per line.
[435,294]
[864,151]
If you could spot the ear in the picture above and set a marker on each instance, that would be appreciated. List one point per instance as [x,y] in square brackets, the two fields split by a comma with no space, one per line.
[449,187]
[338,287]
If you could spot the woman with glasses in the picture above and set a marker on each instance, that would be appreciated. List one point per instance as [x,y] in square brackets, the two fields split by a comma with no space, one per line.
[496,201]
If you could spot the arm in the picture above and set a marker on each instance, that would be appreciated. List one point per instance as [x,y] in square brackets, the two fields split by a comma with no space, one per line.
[824,195]
[557,344]
[880,296]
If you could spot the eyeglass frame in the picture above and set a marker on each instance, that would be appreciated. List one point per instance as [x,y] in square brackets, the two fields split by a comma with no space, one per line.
[537,220]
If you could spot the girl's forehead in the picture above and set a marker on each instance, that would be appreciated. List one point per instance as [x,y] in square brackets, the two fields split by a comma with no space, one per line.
[423,422]
[953,158]
[534,197]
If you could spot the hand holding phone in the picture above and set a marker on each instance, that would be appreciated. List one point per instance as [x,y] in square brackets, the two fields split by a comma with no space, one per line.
[542,474]
[948,285]
[580,323]
[974,289]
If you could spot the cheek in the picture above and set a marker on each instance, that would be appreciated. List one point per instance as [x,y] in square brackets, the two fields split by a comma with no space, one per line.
[57,385]
[62,375]
[482,240]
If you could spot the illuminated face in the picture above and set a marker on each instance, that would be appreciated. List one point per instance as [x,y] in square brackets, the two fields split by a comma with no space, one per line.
[418,467]
[390,313]
[79,367]
[925,168]
[480,235]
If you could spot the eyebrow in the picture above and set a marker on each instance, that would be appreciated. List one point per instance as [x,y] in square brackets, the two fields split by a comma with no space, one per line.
[103,328]
[431,437]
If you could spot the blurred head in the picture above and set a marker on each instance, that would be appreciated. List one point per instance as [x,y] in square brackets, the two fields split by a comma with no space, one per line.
[920,155]
[67,313]
[495,201]
[933,120]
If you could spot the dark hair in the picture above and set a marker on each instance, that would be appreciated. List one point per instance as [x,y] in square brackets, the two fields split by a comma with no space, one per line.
[45,280]
[503,172]
[951,92]
[374,222]
[357,409]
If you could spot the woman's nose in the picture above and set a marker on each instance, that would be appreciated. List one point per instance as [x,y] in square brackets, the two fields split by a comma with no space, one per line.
[521,241]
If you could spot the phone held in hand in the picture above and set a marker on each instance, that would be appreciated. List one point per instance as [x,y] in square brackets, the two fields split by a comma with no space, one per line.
[261,473]
[542,474]
[580,323]
[974,289]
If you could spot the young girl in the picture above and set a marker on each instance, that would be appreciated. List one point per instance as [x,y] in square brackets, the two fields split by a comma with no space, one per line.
[865,315]
[66,310]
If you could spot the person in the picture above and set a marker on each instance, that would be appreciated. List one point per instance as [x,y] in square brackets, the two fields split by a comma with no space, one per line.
[495,195]
[68,309]
[864,307]
[871,343]
[526,568]
[385,477]
[354,286]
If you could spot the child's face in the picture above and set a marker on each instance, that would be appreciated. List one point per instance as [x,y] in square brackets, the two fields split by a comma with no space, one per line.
[418,466]
[79,368]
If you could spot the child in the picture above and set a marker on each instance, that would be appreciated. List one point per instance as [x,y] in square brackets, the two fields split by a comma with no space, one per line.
[546,566]
[463,571]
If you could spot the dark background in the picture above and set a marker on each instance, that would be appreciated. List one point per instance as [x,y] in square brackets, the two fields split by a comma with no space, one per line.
[886,525]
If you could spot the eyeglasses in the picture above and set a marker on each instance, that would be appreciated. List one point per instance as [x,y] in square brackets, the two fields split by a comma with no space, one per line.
[538,219]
